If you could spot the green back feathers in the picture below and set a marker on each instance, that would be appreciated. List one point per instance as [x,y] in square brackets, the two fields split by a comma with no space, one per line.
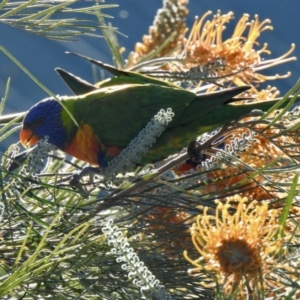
[117,114]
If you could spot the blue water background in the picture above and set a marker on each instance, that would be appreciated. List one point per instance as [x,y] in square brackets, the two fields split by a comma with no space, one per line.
[133,18]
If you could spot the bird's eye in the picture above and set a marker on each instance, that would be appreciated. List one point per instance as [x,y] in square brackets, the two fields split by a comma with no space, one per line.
[38,122]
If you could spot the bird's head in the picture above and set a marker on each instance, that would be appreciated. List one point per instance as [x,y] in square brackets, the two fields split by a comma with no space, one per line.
[44,119]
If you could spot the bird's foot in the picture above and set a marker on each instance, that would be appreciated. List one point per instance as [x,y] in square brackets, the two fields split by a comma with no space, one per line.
[75,180]
[194,152]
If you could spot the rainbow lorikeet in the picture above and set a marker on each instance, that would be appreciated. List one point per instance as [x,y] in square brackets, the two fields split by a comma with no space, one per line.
[109,118]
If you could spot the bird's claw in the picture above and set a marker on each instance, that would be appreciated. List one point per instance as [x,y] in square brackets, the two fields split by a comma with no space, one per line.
[194,152]
[75,180]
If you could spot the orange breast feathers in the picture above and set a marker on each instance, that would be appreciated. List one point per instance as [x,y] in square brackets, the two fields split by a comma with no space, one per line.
[85,145]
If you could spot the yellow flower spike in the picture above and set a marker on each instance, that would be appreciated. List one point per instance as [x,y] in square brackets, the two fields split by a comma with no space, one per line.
[270,92]
[240,28]
[237,249]
[256,28]
[196,28]
[205,45]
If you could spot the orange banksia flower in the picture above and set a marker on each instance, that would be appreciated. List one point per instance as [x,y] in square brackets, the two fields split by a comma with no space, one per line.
[171,225]
[230,178]
[205,56]
[205,45]
[238,249]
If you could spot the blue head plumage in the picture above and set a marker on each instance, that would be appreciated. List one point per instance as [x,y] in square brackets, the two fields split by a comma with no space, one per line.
[44,119]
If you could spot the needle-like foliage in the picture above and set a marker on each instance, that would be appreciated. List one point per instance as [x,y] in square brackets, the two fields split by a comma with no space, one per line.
[225,227]
[57,20]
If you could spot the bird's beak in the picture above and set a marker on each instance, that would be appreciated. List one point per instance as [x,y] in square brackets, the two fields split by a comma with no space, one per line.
[27,137]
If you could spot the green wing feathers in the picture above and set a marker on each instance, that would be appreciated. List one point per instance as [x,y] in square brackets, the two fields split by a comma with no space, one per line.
[117,114]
